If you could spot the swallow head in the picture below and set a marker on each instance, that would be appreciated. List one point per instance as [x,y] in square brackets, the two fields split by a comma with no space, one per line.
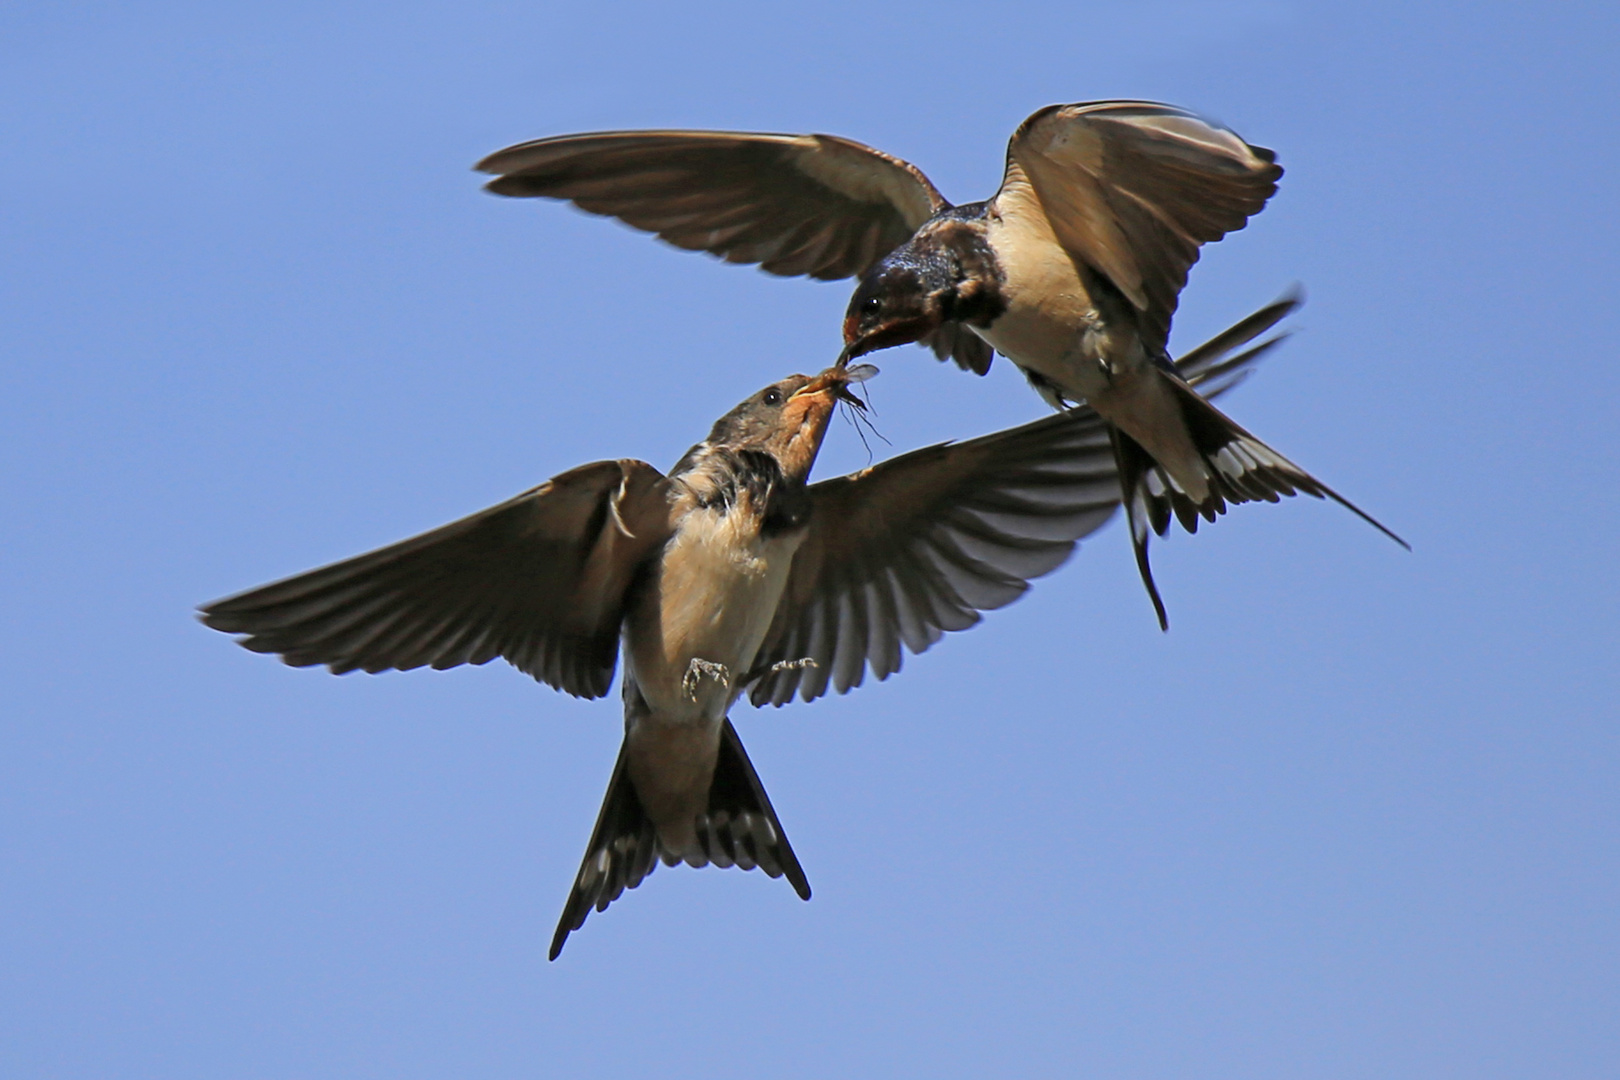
[904,297]
[788,419]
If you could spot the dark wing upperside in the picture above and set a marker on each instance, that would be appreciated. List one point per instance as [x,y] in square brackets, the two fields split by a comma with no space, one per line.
[922,543]
[539,579]
[1133,188]
[795,204]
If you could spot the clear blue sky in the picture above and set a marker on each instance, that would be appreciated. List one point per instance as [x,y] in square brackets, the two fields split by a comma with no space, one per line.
[1355,816]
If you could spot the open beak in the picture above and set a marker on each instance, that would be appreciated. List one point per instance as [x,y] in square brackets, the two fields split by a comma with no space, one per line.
[900,331]
[815,402]
[837,379]
[852,339]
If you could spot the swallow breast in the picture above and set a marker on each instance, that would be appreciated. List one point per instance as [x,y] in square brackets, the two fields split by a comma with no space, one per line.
[1047,304]
[711,599]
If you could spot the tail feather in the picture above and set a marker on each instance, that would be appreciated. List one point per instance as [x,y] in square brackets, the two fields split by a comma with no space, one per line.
[739,828]
[1243,469]
[623,850]
[1239,468]
[1141,513]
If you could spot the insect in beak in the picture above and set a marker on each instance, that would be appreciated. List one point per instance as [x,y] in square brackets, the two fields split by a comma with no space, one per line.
[837,379]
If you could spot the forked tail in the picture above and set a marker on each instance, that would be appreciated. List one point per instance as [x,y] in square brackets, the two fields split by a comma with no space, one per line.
[739,828]
[622,851]
[1238,467]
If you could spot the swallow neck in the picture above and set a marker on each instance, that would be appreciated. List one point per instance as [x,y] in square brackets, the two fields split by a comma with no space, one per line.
[753,481]
[975,293]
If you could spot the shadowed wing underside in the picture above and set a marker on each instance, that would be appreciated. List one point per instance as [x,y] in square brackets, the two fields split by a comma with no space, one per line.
[1132,189]
[918,545]
[904,551]
[539,580]
[795,204]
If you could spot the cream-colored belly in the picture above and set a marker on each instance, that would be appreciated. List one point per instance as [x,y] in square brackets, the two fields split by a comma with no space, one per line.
[1053,327]
[1047,305]
[713,600]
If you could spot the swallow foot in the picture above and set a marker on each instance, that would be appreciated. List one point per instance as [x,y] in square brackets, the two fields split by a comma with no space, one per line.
[793,665]
[700,669]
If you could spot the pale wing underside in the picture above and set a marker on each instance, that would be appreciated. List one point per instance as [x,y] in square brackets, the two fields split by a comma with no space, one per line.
[1133,188]
[795,204]
[539,580]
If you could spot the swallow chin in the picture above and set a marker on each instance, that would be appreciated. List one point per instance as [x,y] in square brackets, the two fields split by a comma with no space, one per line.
[936,285]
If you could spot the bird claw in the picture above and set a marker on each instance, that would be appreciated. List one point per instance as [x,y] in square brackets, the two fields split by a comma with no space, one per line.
[793,665]
[700,669]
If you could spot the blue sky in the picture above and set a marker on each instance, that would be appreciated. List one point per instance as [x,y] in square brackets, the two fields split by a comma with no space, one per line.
[1354,816]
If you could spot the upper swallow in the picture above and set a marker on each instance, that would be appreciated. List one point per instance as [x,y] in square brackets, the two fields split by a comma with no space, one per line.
[731,572]
[1073,269]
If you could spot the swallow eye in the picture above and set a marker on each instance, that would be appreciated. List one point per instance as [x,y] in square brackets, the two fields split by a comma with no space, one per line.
[871,305]
[773,396]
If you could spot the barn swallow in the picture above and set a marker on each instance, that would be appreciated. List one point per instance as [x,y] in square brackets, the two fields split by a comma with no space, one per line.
[1073,269]
[729,574]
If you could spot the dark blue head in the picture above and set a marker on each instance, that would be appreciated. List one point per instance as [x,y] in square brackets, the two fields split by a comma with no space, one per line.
[947,272]
[903,298]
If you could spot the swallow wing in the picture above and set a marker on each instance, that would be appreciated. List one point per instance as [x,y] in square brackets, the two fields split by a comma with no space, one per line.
[1132,189]
[904,551]
[539,580]
[795,204]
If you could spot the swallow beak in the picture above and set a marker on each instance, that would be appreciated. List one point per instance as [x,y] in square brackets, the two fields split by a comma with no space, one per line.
[810,408]
[829,382]
[885,335]
[813,403]
[836,379]
[858,343]
[852,340]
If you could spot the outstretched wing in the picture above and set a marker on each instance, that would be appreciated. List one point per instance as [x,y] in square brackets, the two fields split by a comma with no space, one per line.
[920,544]
[795,204]
[1132,189]
[539,580]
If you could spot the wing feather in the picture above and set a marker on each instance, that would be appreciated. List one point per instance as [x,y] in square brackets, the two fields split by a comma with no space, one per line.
[924,542]
[1132,189]
[903,552]
[816,205]
[539,580]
